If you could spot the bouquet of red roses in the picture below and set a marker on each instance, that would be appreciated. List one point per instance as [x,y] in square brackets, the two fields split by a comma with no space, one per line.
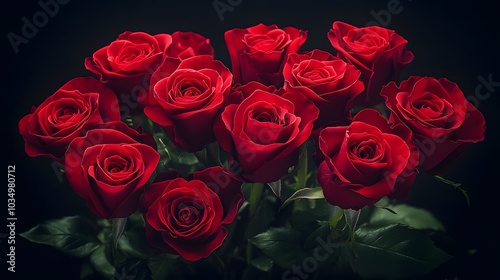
[289,164]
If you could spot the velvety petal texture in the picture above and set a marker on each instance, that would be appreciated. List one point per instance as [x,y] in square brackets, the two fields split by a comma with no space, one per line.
[365,161]
[443,122]
[258,53]
[65,115]
[132,54]
[109,168]
[188,44]
[379,53]
[189,216]
[262,134]
[328,81]
[126,65]
[239,92]
[186,97]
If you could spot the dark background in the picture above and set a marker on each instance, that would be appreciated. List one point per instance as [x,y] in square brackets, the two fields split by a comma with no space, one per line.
[456,40]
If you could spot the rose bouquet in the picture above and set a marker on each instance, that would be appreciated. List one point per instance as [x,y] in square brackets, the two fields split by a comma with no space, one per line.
[290,164]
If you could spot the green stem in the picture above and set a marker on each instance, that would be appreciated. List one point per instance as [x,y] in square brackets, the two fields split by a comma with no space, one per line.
[302,170]
[457,186]
[249,252]
[149,126]
[337,214]
[255,196]
[446,181]
[301,178]
[165,148]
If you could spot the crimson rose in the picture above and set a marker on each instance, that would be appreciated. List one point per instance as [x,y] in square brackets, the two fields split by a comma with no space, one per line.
[258,53]
[108,167]
[378,52]
[127,63]
[189,216]
[188,44]
[366,161]
[329,82]
[239,92]
[186,97]
[65,115]
[443,122]
[262,134]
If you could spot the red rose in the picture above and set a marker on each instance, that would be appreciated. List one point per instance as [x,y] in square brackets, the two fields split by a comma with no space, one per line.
[127,63]
[108,168]
[259,53]
[239,92]
[188,44]
[378,52]
[366,161]
[262,134]
[443,122]
[189,216]
[186,98]
[329,82]
[65,115]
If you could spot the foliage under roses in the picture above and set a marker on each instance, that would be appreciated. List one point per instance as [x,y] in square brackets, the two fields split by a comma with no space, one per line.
[305,164]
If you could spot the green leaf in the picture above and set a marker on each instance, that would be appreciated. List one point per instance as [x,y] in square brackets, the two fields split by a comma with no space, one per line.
[275,188]
[262,263]
[302,170]
[161,265]
[187,158]
[337,215]
[100,260]
[386,208]
[213,151]
[304,213]
[163,149]
[73,235]
[392,252]
[169,152]
[136,220]
[351,218]
[282,245]
[132,270]
[201,156]
[263,217]
[86,271]
[309,193]
[322,231]
[133,244]
[408,215]
[118,228]
[255,196]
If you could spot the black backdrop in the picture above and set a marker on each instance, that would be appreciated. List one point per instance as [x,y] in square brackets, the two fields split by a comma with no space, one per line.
[457,41]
